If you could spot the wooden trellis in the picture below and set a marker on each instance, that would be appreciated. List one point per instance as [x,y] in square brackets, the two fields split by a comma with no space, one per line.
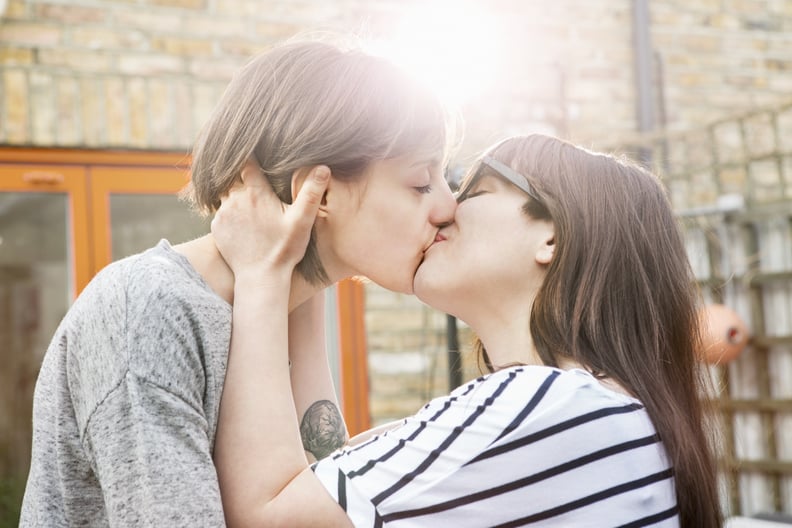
[731,183]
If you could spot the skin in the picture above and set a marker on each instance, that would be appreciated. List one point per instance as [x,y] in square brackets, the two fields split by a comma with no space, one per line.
[377,226]
[257,408]
[381,225]
[486,267]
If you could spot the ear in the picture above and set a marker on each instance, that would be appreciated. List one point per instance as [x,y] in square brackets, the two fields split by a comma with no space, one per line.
[544,255]
[298,178]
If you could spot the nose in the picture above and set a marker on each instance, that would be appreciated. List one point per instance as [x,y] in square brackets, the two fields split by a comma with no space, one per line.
[444,205]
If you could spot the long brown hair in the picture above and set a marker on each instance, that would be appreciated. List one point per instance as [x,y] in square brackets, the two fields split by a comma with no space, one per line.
[306,103]
[619,298]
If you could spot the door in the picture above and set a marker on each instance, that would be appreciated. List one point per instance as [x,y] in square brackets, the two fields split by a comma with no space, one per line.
[133,208]
[43,264]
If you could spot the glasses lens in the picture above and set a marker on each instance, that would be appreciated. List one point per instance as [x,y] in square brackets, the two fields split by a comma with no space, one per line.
[469,182]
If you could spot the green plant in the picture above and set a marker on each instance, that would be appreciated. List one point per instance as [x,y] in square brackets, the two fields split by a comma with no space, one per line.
[11,491]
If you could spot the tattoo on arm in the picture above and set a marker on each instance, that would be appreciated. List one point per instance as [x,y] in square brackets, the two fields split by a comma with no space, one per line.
[322,429]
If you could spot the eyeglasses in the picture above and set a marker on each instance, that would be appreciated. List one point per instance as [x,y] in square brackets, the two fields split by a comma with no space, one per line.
[502,170]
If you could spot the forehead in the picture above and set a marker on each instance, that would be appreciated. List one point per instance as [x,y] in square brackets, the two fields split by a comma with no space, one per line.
[416,160]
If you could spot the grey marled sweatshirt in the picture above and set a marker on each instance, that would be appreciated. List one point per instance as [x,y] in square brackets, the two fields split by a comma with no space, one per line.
[126,402]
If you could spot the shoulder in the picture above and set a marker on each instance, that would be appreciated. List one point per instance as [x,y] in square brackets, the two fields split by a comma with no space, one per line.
[149,314]
[161,274]
[516,384]
[177,328]
[146,288]
[525,399]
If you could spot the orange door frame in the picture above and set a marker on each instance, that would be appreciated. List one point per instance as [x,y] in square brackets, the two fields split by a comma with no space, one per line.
[66,180]
[126,180]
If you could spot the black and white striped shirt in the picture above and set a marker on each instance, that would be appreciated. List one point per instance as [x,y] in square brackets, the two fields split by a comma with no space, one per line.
[525,445]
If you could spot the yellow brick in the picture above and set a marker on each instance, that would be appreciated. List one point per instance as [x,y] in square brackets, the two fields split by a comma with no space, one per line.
[161,111]
[67,95]
[215,69]
[16,9]
[25,33]
[138,112]
[140,64]
[115,112]
[148,22]
[204,99]
[91,112]
[42,108]
[182,111]
[724,20]
[242,48]
[216,26]
[183,4]
[277,31]
[10,56]
[81,61]
[15,103]
[698,43]
[242,8]
[183,46]
[70,13]
[96,38]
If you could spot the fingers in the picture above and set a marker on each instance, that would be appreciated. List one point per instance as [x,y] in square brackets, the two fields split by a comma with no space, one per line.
[309,198]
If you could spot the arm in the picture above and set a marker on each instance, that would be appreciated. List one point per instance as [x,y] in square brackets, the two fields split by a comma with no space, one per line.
[137,428]
[139,386]
[322,427]
[262,469]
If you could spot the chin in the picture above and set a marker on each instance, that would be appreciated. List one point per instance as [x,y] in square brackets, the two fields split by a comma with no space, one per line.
[422,287]
[437,291]
[396,284]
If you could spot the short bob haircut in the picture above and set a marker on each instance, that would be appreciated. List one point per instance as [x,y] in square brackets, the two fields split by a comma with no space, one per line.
[308,103]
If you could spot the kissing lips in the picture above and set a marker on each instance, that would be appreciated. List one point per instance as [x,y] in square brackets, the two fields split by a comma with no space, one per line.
[439,237]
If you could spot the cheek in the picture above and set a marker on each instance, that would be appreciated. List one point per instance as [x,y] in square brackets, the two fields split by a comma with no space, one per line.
[384,248]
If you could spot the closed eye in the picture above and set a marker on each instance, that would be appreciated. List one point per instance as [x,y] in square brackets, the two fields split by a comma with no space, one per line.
[478,190]
[424,189]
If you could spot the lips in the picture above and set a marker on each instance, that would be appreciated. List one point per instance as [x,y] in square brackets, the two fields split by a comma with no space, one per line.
[439,237]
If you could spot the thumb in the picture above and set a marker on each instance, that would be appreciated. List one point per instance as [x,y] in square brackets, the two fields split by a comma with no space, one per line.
[310,195]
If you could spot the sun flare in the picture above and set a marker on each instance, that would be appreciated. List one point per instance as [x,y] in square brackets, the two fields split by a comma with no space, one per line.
[451,46]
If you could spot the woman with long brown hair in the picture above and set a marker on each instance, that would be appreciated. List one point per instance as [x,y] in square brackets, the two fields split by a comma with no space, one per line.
[570,267]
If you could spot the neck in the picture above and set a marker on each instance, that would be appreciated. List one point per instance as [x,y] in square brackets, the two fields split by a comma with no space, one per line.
[507,339]
[207,261]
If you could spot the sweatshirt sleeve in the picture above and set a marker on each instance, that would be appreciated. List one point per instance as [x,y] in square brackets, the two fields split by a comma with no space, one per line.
[152,457]
[143,378]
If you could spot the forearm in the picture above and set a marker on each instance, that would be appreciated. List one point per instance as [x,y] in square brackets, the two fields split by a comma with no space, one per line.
[322,427]
[257,408]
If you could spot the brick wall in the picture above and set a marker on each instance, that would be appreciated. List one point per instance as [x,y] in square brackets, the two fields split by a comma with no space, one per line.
[124,74]
[146,73]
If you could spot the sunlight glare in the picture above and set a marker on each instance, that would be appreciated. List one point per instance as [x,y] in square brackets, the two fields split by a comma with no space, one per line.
[451,46]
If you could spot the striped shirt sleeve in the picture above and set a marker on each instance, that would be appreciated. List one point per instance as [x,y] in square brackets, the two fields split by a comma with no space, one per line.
[524,444]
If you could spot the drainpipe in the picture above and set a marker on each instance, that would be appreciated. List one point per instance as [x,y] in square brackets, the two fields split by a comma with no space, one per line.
[643,74]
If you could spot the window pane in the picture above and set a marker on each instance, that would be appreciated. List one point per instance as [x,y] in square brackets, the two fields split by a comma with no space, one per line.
[35,292]
[139,221]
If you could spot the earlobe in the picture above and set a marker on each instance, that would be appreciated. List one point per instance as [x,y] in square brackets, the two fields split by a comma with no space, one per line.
[545,254]
[322,212]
